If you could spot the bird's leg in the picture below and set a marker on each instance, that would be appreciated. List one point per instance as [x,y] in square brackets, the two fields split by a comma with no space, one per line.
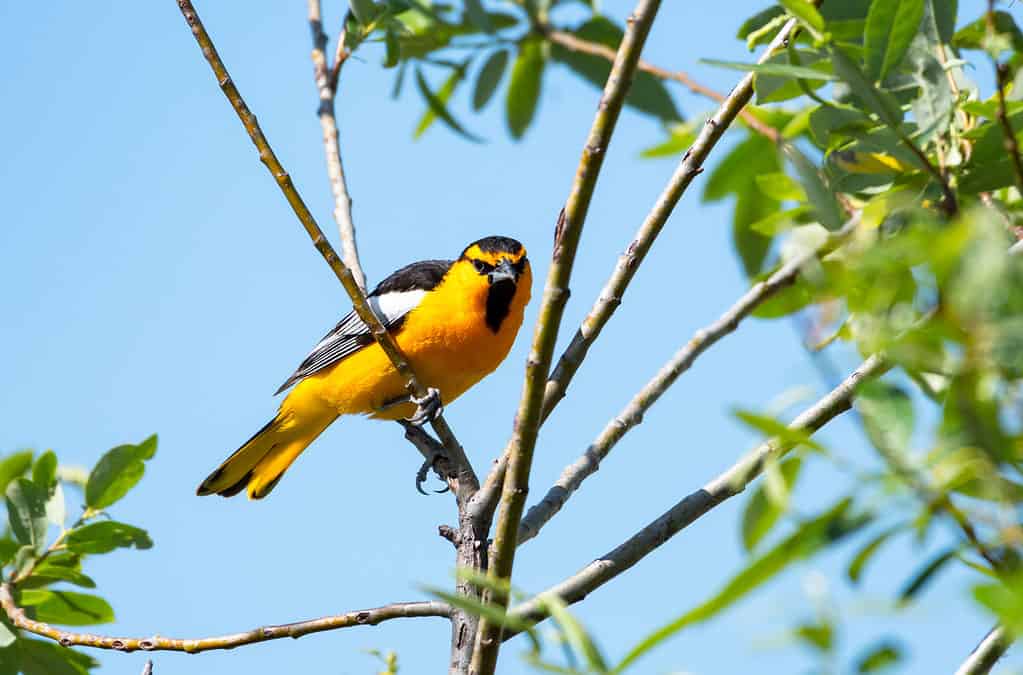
[432,451]
[428,407]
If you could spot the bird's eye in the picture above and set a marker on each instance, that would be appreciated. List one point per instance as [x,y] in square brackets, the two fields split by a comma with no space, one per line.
[482,267]
[520,265]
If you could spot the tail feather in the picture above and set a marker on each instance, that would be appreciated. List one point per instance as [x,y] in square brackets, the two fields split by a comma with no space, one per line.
[261,462]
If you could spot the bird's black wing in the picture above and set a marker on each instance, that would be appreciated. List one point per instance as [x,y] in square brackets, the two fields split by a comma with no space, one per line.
[392,300]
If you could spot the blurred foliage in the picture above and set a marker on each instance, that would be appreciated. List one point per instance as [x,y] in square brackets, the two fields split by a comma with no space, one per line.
[42,548]
[879,135]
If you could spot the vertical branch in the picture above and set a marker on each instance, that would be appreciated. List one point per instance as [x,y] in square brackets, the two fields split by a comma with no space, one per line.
[326,84]
[566,241]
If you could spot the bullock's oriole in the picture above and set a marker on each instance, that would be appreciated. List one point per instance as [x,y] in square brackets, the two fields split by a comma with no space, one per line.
[454,320]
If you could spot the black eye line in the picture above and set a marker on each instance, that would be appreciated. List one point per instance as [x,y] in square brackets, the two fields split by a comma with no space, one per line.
[482,267]
[520,265]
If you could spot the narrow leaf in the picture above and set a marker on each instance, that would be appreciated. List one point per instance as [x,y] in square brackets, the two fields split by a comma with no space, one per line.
[863,556]
[26,512]
[924,576]
[67,607]
[778,69]
[105,536]
[878,102]
[891,26]
[437,105]
[489,78]
[524,88]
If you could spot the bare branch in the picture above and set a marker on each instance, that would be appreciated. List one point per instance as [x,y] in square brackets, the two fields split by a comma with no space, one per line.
[610,297]
[577,44]
[468,483]
[566,241]
[684,513]
[326,84]
[573,475]
[365,617]
[984,656]
[1001,79]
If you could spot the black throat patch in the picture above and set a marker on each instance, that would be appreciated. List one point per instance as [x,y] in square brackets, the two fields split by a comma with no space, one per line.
[499,299]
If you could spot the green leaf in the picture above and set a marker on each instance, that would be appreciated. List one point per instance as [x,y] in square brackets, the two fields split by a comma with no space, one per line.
[880,103]
[437,104]
[525,86]
[775,88]
[647,94]
[887,415]
[1004,600]
[14,466]
[891,26]
[974,35]
[68,608]
[863,556]
[773,428]
[924,576]
[881,656]
[492,613]
[44,473]
[26,511]
[392,47]
[821,636]
[762,513]
[786,70]
[8,549]
[820,195]
[933,106]
[363,10]
[576,635]
[44,657]
[44,575]
[489,78]
[478,16]
[751,206]
[758,21]
[813,536]
[681,138]
[105,536]
[117,472]
[806,13]
[943,13]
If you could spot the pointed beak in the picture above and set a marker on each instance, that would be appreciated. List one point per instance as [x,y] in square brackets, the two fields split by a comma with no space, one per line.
[503,272]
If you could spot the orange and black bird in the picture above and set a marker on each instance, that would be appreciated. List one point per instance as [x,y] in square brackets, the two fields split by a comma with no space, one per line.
[454,320]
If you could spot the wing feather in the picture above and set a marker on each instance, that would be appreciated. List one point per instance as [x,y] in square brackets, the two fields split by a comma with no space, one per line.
[392,300]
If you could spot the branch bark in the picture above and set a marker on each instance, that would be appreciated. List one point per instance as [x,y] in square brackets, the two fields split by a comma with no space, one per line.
[467,482]
[326,78]
[364,617]
[573,475]
[611,296]
[986,654]
[684,513]
[566,241]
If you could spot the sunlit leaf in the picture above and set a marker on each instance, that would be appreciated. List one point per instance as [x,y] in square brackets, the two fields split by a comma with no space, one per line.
[879,657]
[105,536]
[891,26]
[26,512]
[68,608]
[117,472]
[762,513]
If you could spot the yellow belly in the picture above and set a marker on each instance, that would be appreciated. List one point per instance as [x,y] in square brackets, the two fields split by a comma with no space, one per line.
[449,347]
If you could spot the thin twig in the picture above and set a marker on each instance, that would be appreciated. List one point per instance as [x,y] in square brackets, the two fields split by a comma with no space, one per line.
[611,295]
[984,656]
[365,617]
[573,475]
[1001,79]
[566,240]
[576,44]
[326,84]
[467,483]
[684,513]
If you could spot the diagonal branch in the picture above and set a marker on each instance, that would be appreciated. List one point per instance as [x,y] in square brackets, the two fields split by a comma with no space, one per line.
[326,84]
[566,241]
[573,475]
[466,482]
[985,655]
[684,513]
[611,296]
[577,44]
[364,617]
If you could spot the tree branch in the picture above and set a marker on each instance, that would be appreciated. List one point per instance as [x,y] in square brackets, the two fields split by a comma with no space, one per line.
[573,475]
[610,297]
[576,44]
[468,483]
[566,240]
[984,656]
[684,513]
[326,84]
[365,617]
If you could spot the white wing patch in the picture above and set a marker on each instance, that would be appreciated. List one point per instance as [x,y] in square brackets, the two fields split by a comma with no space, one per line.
[351,334]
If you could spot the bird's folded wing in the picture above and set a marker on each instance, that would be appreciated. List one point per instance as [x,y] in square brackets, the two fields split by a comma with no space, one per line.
[392,300]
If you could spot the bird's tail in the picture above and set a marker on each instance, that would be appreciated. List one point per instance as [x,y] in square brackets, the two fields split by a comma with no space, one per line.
[259,464]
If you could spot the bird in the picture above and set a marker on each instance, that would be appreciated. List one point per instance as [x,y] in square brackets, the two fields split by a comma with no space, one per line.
[455,321]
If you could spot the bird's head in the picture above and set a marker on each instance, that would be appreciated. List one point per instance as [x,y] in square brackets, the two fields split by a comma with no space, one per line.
[499,269]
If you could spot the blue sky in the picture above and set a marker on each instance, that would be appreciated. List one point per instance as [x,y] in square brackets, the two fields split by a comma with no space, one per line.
[156,281]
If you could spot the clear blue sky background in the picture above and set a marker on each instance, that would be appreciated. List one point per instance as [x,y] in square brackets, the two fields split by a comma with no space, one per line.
[156,281]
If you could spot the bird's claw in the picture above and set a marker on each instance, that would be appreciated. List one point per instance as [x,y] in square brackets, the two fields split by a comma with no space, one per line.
[428,407]
[424,471]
